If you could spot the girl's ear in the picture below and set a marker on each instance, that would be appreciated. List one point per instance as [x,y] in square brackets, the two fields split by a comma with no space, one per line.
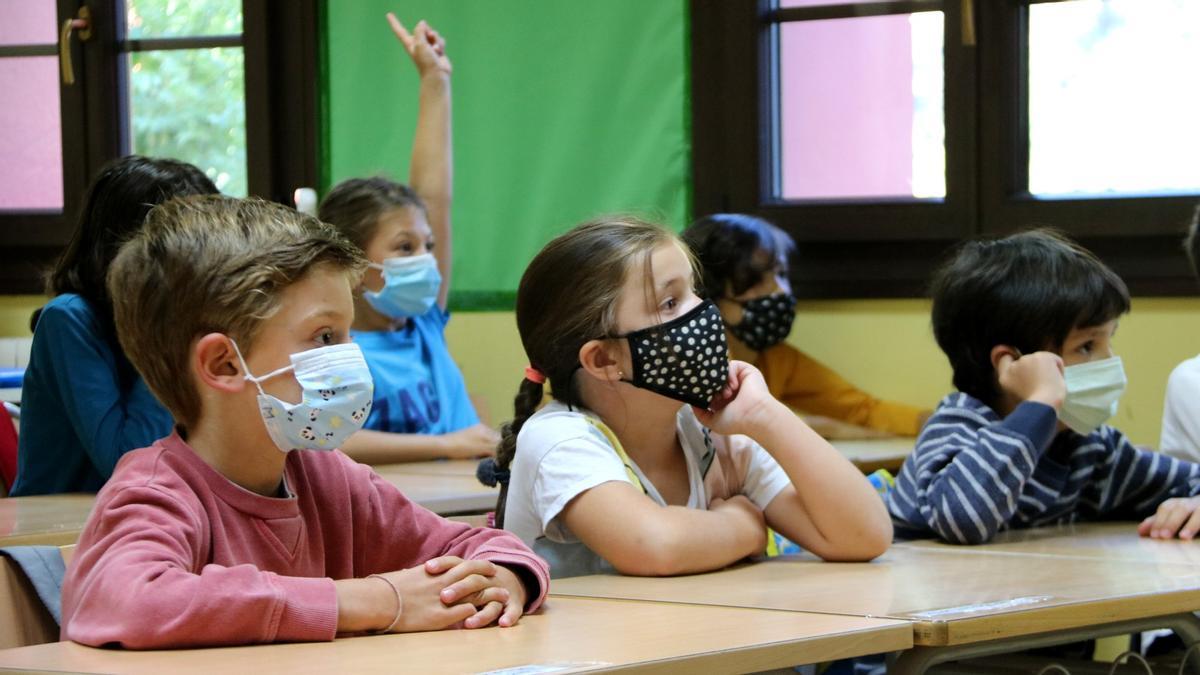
[216,365]
[597,360]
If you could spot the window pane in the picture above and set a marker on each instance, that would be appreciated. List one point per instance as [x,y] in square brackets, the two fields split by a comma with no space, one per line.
[190,105]
[30,134]
[182,18]
[27,22]
[1113,97]
[861,112]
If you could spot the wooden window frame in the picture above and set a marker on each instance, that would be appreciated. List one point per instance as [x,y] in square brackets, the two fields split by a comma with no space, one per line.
[280,45]
[889,247]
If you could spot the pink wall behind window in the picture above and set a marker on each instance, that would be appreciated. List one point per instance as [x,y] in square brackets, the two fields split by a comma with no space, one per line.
[846,107]
[30,132]
[27,22]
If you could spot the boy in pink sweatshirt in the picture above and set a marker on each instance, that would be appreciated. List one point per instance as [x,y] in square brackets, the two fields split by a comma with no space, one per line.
[245,525]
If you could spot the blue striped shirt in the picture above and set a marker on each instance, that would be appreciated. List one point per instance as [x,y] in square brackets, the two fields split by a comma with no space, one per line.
[973,474]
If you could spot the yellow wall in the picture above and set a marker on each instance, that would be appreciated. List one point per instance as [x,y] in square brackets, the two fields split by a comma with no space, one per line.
[883,346]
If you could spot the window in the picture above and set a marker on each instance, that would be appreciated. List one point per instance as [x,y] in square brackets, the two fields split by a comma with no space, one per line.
[228,85]
[880,133]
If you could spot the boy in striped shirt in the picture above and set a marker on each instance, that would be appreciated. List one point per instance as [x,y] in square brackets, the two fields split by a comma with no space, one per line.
[1027,323]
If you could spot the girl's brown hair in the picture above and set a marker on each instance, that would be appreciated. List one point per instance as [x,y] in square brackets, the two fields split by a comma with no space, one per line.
[354,206]
[568,296]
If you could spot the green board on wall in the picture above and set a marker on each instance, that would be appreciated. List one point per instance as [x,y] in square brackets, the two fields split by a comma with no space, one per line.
[563,110]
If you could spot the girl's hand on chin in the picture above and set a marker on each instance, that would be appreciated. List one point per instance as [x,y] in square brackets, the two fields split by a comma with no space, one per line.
[744,406]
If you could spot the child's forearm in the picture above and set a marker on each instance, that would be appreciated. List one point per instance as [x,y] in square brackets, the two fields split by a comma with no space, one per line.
[685,541]
[364,605]
[849,517]
[382,447]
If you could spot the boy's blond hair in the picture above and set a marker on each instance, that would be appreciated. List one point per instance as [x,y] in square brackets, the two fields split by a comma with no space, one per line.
[211,264]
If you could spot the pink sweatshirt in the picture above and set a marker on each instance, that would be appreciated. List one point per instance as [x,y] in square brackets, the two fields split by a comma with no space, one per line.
[176,555]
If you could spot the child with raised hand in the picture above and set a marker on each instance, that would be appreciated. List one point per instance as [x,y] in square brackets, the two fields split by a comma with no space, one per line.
[421,408]
[744,263]
[83,405]
[245,525]
[1027,323]
[654,435]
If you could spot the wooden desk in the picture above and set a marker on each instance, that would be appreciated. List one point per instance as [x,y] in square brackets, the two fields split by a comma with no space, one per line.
[589,634]
[872,454]
[437,467]
[54,520]
[1105,541]
[952,597]
[57,520]
[445,495]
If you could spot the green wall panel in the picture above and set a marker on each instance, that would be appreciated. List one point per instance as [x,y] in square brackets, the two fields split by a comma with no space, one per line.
[563,109]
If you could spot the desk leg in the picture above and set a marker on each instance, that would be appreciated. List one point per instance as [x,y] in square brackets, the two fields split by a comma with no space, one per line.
[918,660]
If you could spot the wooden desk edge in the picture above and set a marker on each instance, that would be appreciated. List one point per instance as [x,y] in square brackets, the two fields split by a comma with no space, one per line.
[1038,620]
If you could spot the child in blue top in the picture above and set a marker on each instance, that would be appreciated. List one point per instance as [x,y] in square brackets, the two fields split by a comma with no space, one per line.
[420,408]
[1027,323]
[83,405]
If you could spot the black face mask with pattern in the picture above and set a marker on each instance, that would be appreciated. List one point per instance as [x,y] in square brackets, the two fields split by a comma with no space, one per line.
[766,321]
[686,358]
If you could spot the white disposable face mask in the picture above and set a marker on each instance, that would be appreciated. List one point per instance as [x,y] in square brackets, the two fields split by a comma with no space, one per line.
[1093,391]
[336,399]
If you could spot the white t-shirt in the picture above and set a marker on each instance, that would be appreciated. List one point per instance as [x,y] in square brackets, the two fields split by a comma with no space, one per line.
[561,455]
[1181,412]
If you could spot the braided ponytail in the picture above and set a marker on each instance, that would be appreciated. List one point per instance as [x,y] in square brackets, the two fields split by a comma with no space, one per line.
[496,470]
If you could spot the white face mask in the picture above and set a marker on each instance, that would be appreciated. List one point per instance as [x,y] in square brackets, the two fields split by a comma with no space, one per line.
[337,389]
[1093,390]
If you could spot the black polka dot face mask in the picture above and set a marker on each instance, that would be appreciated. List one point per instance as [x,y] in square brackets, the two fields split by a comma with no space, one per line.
[766,321]
[686,359]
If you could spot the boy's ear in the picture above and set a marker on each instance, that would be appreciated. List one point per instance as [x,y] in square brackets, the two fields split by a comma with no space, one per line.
[216,364]
[1000,353]
[595,358]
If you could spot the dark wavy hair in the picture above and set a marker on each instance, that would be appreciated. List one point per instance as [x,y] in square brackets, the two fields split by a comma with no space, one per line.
[1027,290]
[735,251]
[114,208]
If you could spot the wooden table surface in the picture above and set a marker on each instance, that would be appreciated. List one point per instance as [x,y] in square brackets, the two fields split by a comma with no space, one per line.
[871,454]
[57,520]
[53,520]
[445,495]
[951,596]
[437,467]
[1105,541]
[576,633]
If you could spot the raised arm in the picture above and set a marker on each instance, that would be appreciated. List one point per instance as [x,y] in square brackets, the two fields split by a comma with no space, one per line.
[431,171]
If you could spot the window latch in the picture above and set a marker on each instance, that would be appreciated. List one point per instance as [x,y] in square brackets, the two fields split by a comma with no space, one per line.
[81,26]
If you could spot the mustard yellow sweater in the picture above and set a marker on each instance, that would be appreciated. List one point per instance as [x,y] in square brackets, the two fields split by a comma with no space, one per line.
[806,385]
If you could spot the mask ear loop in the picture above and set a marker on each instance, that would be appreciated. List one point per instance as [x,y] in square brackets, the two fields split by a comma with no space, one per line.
[256,380]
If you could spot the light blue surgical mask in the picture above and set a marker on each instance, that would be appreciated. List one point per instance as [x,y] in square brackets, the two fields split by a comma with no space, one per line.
[337,389]
[410,286]
[1093,391]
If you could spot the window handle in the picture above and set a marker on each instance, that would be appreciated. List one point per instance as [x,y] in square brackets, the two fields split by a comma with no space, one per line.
[82,23]
[968,23]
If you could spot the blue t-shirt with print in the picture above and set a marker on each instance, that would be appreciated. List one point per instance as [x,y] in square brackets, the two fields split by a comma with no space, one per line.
[418,387]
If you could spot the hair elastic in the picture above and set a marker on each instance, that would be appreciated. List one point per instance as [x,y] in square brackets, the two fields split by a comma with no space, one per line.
[399,603]
[534,375]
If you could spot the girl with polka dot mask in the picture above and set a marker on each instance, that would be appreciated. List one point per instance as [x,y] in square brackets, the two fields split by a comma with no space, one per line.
[653,434]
